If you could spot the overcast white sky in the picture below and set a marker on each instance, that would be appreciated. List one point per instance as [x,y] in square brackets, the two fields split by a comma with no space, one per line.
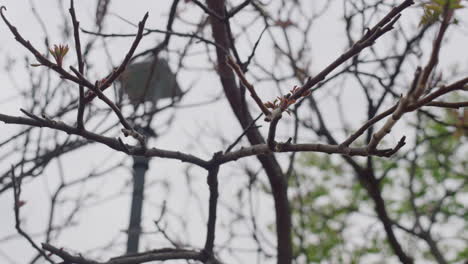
[101,222]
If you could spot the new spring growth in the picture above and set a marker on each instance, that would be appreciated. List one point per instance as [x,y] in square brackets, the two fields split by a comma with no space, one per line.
[59,52]
[284,102]
[435,9]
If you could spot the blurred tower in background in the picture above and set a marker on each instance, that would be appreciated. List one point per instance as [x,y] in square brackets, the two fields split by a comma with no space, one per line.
[143,82]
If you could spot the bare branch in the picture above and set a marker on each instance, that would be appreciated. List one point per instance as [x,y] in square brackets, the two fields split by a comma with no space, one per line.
[110,142]
[212,181]
[79,56]
[243,133]
[17,203]
[116,73]
[385,25]
[236,68]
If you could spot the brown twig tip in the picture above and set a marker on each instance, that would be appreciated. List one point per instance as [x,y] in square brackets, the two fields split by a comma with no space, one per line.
[402,141]
[3,15]
[5,19]
[145,17]
[400,144]
[240,74]
[389,152]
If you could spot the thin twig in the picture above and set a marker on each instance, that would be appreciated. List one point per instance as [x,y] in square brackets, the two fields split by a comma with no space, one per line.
[116,73]
[108,141]
[212,181]
[243,133]
[249,59]
[149,31]
[79,56]
[434,58]
[207,10]
[236,68]
[238,8]
[17,203]
[385,25]
[414,94]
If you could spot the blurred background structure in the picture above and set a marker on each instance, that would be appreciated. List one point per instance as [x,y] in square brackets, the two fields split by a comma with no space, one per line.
[179,141]
[142,82]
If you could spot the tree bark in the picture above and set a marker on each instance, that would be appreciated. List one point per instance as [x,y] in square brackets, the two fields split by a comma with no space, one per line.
[273,170]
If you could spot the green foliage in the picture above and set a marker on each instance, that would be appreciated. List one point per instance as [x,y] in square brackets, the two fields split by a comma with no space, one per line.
[462,255]
[326,198]
[322,162]
[321,210]
[435,9]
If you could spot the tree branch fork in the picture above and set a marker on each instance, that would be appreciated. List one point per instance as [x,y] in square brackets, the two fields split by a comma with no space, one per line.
[409,102]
